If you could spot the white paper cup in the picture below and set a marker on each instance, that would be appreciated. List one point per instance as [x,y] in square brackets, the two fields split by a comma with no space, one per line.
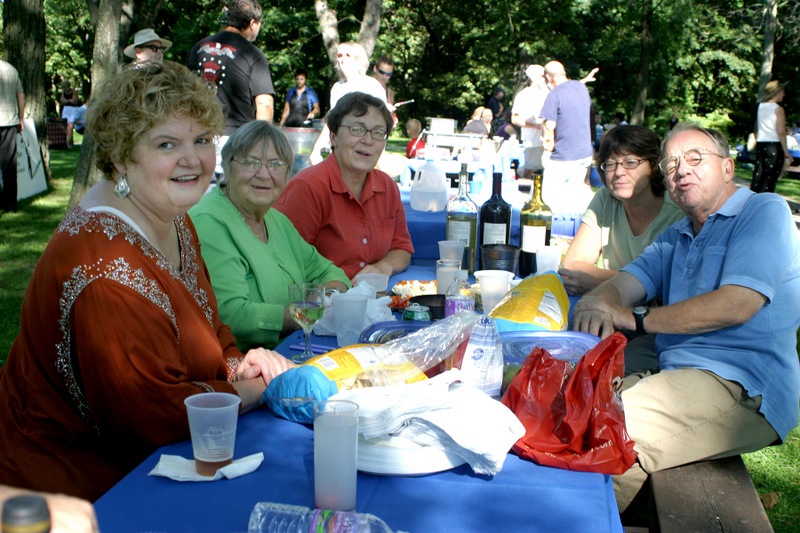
[349,310]
[494,285]
[335,455]
[451,250]
[548,258]
[446,273]
[380,282]
[212,423]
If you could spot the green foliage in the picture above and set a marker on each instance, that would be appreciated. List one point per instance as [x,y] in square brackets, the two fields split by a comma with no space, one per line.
[68,47]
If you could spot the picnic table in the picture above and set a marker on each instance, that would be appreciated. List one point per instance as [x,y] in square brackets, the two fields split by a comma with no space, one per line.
[522,497]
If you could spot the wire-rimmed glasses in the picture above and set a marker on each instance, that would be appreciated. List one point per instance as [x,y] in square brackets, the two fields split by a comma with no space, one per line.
[359,131]
[692,156]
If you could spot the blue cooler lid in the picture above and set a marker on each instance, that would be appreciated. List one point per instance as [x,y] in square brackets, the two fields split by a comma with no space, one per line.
[383,332]
[565,345]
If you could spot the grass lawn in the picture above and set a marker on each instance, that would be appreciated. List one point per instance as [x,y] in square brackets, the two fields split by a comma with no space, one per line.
[24,235]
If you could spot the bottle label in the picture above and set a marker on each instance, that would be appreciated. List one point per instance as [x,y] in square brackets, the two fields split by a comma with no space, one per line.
[326,521]
[494,233]
[458,230]
[533,238]
[453,306]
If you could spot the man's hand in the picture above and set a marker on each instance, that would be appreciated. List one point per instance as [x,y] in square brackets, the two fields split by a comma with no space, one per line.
[266,363]
[595,316]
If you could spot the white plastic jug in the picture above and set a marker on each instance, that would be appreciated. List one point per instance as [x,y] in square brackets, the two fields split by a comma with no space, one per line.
[429,190]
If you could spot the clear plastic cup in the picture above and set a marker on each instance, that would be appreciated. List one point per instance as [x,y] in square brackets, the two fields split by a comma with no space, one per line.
[494,285]
[380,282]
[548,258]
[451,250]
[212,423]
[335,455]
[349,310]
[446,273]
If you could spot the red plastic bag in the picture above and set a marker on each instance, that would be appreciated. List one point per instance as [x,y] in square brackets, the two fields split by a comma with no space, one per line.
[573,417]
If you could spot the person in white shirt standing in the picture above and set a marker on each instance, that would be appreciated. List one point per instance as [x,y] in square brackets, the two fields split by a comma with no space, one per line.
[525,114]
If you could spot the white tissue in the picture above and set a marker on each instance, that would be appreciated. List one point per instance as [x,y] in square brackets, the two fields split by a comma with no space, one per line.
[453,417]
[377,311]
[182,469]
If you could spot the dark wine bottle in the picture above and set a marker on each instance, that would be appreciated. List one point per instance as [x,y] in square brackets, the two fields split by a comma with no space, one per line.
[495,220]
[536,222]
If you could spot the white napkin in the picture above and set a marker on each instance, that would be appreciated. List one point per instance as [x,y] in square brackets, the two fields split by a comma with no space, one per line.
[182,469]
[453,417]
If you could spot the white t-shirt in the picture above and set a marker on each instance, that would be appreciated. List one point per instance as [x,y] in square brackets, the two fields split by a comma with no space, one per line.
[527,104]
[364,84]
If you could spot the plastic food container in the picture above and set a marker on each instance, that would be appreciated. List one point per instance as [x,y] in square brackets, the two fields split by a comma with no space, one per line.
[565,345]
[383,332]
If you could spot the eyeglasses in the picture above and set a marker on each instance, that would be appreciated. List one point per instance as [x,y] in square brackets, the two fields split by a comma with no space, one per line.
[692,156]
[359,131]
[154,47]
[387,74]
[341,55]
[254,165]
[629,164]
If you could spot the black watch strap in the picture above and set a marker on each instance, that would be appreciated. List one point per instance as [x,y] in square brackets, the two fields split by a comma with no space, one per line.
[639,313]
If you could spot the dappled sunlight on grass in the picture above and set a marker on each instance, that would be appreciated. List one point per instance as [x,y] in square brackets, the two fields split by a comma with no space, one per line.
[777,469]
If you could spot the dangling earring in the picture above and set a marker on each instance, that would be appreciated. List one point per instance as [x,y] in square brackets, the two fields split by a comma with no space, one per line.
[122,189]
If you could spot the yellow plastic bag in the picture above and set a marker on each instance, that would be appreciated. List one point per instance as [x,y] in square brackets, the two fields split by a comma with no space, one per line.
[539,303]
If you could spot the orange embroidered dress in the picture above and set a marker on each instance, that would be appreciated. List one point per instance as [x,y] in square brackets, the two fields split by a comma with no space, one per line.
[113,339]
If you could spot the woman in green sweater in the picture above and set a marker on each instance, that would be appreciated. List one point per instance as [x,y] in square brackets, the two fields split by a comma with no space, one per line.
[253,252]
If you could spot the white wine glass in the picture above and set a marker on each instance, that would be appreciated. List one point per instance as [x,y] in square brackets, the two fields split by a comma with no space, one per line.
[305,306]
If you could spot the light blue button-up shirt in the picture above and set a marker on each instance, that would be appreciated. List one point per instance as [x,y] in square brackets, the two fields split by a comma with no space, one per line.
[751,242]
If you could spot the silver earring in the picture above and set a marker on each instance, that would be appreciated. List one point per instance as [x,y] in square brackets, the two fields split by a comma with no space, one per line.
[122,189]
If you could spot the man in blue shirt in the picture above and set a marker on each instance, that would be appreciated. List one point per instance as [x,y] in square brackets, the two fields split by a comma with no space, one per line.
[729,276]
[567,136]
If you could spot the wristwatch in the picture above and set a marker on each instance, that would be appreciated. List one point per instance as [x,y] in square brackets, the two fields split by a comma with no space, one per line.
[639,312]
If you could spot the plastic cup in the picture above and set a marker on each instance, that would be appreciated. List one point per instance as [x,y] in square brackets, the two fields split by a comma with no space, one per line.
[212,423]
[500,257]
[348,314]
[379,282]
[446,273]
[548,258]
[335,455]
[494,285]
[451,250]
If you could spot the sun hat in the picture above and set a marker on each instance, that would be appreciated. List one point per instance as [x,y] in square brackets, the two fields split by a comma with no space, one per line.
[534,71]
[145,36]
[772,88]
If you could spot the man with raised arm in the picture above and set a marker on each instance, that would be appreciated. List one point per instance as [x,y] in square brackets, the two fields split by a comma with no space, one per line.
[729,276]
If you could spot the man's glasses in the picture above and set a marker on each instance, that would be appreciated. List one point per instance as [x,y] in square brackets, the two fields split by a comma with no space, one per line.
[154,47]
[359,131]
[629,164]
[387,74]
[254,165]
[692,156]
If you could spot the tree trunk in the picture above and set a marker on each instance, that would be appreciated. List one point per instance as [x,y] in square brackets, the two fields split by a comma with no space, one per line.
[645,57]
[370,26]
[770,23]
[105,63]
[329,28]
[24,39]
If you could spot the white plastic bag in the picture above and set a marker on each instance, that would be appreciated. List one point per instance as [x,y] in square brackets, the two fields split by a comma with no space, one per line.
[377,311]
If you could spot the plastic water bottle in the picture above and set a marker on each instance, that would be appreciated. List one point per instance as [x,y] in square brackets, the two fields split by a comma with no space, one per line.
[280,518]
[459,296]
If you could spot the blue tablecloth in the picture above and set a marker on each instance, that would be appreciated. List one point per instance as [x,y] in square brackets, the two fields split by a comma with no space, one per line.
[522,497]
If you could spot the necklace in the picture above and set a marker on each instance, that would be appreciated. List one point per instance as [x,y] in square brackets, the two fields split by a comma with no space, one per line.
[264,237]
